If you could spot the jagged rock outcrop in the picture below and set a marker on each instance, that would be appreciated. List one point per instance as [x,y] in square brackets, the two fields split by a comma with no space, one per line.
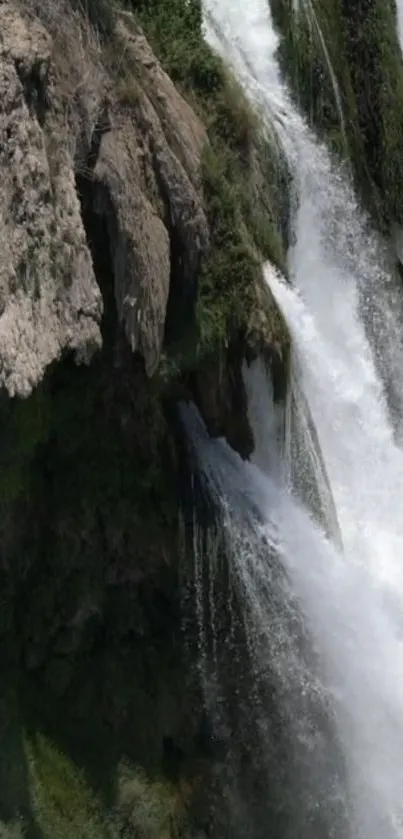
[147,183]
[71,131]
[49,299]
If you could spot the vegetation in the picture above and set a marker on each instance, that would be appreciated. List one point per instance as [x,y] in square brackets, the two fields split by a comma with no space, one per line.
[62,804]
[359,44]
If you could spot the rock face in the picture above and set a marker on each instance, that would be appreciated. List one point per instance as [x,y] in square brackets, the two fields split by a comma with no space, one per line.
[69,131]
[49,299]
[147,184]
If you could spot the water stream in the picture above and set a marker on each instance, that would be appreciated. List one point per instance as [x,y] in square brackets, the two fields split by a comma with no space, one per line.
[347,595]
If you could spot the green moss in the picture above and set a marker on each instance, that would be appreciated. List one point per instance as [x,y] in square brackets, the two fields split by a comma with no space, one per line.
[304,51]
[174,30]
[361,43]
[65,774]
[13,830]
[227,291]
[376,67]
[63,805]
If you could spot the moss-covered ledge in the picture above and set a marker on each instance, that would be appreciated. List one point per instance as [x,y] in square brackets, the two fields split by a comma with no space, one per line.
[360,41]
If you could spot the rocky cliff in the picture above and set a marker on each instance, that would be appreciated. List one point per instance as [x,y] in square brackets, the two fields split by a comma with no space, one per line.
[128,152]
[50,299]
[138,200]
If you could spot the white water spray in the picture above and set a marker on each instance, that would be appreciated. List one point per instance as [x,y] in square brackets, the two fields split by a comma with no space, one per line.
[338,310]
[354,632]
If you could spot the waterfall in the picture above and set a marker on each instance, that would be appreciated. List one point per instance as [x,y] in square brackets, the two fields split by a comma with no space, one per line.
[286,442]
[355,633]
[267,419]
[322,619]
[281,710]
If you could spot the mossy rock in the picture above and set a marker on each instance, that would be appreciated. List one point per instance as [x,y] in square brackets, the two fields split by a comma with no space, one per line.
[343,60]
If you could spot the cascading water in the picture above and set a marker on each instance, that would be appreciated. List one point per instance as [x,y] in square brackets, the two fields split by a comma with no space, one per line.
[323,623]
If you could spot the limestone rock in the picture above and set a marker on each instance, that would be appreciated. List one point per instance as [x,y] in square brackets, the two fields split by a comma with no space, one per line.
[49,299]
[148,174]
[63,117]
[186,132]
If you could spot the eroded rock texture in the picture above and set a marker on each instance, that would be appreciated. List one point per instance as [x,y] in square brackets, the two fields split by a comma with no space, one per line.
[49,299]
[70,133]
[147,184]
